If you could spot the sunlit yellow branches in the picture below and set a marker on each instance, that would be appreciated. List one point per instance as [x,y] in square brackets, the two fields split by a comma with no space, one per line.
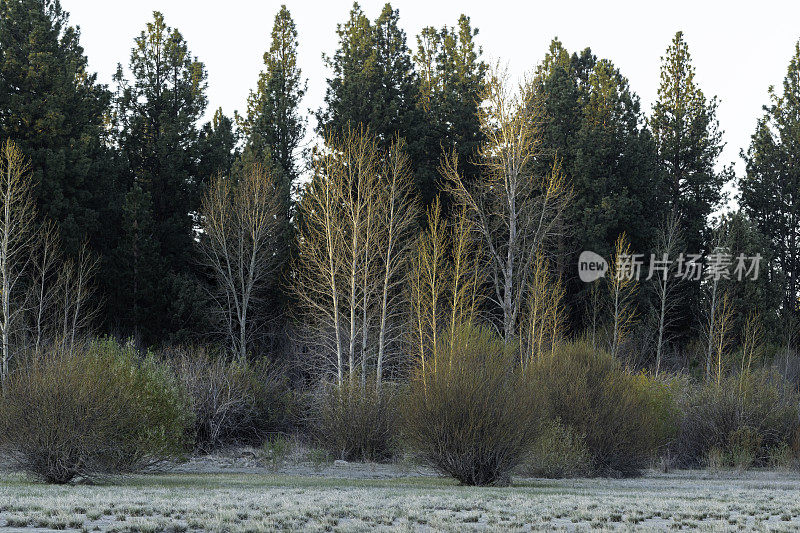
[17,236]
[722,338]
[622,288]
[516,210]
[545,318]
[357,215]
[429,279]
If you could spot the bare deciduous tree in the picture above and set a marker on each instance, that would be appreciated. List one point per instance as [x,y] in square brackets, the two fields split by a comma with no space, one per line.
[752,340]
[337,226]
[516,210]
[593,311]
[76,291]
[665,284]
[718,330]
[16,239]
[545,317]
[43,288]
[317,283]
[357,215]
[428,279]
[444,282]
[715,297]
[622,289]
[398,218]
[240,230]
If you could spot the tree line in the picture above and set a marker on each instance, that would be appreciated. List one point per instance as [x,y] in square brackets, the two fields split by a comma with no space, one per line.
[438,191]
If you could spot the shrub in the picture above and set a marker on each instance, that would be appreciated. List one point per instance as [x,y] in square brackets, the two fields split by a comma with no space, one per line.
[276,449]
[782,457]
[355,422]
[743,447]
[233,401]
[558,452]
[469,413]
[745,417]
[623,417]
[95,410]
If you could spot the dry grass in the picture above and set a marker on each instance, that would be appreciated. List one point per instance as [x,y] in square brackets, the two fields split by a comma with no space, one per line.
[244,502]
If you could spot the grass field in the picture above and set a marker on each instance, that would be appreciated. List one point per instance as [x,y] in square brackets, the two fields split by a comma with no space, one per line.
[266,502]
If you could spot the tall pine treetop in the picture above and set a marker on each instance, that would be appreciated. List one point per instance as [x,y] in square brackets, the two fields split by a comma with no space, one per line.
[374,82]
[452,80]
[156,117]
[689,141]
[273,127]
[770,190]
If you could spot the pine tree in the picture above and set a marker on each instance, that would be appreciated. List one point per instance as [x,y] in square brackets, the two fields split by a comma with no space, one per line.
[618,184]
[347,98]
[770,190]
[562,92]
[273,130]
[217,146]
[452,82]
[689,142]
[374,83]
[273,127]
[156,117]
[53,108]
[395,85]
[138,265]
[761,296]
[594,126]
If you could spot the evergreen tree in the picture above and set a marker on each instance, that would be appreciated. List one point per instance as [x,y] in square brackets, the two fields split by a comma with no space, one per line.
[53,108]
[770,190]
[347,98]
[452,83]
[374,84]
[137,265]
[618,185]
[592,124]
[760,297]
[156,117]
[560,82]
[273,127]
[689,141]
[395,86]
[217,146]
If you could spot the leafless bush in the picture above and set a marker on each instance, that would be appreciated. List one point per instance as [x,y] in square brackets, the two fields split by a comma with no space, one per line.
[355,421]
[717,417]
[233,400]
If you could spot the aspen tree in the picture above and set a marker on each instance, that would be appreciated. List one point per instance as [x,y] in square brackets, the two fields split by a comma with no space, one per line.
[17,237]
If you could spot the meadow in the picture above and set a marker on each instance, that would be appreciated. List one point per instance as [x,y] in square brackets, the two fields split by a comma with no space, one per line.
[335,498]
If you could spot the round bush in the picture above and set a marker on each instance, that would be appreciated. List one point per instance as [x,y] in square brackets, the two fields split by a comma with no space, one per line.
[355,422]
[623,417]
[742,420]
[94,410]
[469,412]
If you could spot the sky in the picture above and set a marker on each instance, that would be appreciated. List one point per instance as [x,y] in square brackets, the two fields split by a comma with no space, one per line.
[739,49]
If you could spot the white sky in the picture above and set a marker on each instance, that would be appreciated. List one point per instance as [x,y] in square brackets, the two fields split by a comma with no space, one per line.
[739,48]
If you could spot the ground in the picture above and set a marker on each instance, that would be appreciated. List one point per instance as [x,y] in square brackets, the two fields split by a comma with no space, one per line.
[242,495]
